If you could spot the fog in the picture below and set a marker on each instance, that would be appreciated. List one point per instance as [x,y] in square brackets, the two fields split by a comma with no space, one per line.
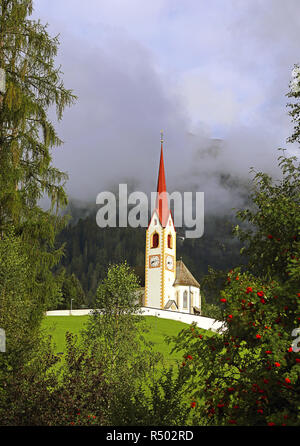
[213,76]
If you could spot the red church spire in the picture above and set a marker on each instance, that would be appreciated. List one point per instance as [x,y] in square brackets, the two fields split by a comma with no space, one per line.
[162,206]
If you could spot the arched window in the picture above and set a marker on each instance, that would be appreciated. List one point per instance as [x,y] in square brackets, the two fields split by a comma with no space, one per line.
[185,295]
[155,240]
[170,241]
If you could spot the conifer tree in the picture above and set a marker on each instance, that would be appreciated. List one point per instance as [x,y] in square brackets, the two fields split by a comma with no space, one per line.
[27,137]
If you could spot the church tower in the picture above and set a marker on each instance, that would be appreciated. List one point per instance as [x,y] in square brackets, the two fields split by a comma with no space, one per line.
[160,256]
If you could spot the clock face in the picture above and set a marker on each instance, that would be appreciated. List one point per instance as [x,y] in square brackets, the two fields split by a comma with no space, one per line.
[170,262]
[154,261]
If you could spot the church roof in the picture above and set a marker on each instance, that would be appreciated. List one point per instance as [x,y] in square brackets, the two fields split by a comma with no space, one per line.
[184,276]
[169,304]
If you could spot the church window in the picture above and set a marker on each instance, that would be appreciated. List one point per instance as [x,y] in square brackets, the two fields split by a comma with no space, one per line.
[155,240]
[170,241]
[185,295]
[155,222]
[177,298]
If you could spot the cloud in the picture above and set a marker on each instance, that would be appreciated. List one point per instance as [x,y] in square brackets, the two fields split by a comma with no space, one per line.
[198,70]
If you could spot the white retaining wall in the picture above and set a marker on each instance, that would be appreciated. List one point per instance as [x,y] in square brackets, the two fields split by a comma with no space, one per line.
[202,322]
[68,312]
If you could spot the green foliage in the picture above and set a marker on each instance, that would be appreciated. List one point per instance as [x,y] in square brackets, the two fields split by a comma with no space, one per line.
[164,402]
[70,289]
[272,241]
[249,374]
[28,355]
[37,395]
[18,315]
[210,287]
[294,105]
[211,310]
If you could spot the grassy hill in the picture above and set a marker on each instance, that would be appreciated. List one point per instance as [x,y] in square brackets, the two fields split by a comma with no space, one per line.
[57,326]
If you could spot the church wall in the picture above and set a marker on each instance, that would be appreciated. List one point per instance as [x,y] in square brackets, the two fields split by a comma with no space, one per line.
[169,275]
[195,300]
[153,276]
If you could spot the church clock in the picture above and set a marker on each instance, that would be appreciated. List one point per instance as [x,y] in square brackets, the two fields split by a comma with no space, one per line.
[154,261]
[170,262]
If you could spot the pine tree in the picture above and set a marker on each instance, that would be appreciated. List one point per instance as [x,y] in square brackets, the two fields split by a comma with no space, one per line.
[27,137]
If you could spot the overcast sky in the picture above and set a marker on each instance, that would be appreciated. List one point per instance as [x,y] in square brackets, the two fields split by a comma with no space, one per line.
[197,69]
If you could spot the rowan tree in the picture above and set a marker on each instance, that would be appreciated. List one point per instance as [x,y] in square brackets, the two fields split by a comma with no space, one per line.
[248,374]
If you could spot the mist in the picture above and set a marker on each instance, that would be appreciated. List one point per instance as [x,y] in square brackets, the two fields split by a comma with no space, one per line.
[213,76]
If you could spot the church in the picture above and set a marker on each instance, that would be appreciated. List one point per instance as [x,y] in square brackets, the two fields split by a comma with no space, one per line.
[169,285]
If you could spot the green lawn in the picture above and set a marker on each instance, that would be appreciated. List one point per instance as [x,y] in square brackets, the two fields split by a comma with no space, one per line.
[57,326]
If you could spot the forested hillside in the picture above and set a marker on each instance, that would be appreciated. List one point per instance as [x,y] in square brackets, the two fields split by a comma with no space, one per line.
[90,249]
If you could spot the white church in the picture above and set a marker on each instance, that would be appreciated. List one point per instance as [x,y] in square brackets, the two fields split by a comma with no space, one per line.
[169,285]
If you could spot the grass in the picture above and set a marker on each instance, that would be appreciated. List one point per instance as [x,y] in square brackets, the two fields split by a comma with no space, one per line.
[57,326]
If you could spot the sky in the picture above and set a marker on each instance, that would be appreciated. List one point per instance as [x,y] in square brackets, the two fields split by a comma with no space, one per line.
[213,75]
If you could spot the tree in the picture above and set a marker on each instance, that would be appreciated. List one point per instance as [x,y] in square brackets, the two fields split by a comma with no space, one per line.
[294,106]
[115,330]
[33,85]
[70,289]
[19,366]
[115,319]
